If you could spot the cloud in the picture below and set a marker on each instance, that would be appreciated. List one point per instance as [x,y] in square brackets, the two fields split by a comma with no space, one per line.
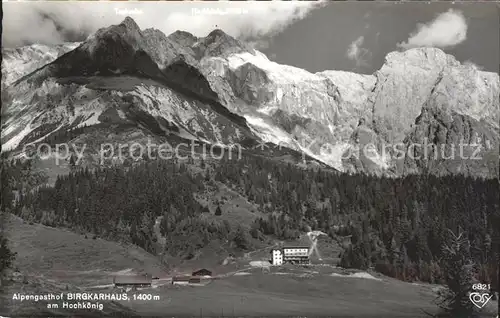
[55,22]
[473,65]
[446,30]
[357,53]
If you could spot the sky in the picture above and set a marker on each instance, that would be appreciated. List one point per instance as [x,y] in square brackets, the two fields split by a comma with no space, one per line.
[317,36]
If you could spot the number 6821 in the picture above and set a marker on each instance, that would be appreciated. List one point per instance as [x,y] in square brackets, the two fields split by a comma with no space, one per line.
[481,287]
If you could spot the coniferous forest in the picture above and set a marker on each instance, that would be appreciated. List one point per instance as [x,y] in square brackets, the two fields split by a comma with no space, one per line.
[395,225]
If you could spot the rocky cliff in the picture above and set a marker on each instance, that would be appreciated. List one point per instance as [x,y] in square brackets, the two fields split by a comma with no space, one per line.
[349,121]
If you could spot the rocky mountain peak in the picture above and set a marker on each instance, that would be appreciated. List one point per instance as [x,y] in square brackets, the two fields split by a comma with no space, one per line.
[218,33]
[163,49]
[219,43]
[130,24]
[127,29]
[424,57]
[127,33]
[183,38]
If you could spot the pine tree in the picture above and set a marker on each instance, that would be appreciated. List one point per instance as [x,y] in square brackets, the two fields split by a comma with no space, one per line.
[72,160]
[6,196]
[218,211]
[71,107]
[6,256]
[459,274]
[241,239]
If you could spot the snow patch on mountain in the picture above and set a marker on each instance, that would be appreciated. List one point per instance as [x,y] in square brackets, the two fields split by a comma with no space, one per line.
[332,154]
[16,139]
[279,73]
[91,119]
[270,133]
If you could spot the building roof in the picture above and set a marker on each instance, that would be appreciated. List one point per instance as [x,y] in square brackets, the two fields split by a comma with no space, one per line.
[288,248]
[181,278]
[132,279]
[202,272]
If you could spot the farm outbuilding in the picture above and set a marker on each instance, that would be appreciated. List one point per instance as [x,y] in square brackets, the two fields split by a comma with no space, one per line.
[132,281]
[186,280]
[202,272]
[180,280]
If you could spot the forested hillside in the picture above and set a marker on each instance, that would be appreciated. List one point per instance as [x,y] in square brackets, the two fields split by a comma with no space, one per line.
[395,225]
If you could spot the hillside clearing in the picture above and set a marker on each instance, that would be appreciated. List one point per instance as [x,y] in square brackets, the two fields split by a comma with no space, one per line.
[64,260]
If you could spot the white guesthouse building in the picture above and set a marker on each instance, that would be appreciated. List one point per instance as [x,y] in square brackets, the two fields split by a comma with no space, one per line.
[292,254]
[277,257]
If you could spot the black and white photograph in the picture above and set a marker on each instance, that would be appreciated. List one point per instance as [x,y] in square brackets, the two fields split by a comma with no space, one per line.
[250,159]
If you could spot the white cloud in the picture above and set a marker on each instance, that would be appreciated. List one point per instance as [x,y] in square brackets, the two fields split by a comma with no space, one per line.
[51,22]
[353,50]
[446,30]
[473,65]
[357,53]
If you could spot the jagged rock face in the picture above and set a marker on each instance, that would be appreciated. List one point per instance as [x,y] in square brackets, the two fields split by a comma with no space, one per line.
[440,102]
[390,100]
[469,92]
[164,50]
[182,38]
[181,72]
[409,79]
[125,63]
[118,49]
[158,109]
[219,44]
[118,44]
[403,85]
[334,98]
[366,151]
[249,83]
[330,103]
[21,61]
[417,94]
[448,142]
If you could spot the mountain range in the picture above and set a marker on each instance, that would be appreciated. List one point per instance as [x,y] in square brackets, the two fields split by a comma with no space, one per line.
[127,84]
